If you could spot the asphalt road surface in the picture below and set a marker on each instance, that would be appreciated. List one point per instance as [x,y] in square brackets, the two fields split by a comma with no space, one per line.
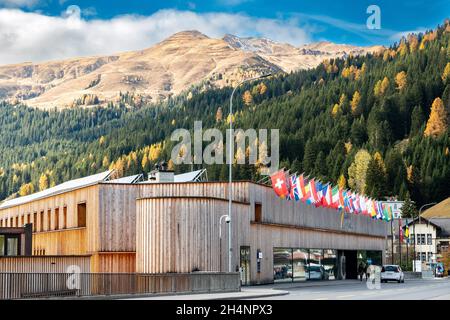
[434,289]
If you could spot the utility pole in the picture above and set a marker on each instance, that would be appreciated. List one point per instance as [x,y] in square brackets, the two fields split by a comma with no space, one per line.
[230,159]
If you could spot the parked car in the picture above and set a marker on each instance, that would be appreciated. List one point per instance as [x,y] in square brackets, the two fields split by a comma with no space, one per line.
[316,272]
[392,273]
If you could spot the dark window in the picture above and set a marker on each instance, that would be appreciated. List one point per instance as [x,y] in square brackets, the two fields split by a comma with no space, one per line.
[81,212]
[56,219]
[2,244]
[49,220]
[258,212]
[64,218]
[41,221]
[34,222]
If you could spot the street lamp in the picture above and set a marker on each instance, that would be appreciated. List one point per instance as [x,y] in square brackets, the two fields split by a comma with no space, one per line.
[415,235]
[230,159]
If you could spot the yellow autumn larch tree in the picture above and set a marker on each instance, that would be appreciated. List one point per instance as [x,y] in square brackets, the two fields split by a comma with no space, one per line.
[437,123]
[43,182]
[342,182]
[400,80]
[446,73]
[247,98]
[26,189]
[355,104]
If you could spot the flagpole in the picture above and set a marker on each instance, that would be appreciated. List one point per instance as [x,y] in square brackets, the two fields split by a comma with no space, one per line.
[392,241]
[400,242]
[407,246]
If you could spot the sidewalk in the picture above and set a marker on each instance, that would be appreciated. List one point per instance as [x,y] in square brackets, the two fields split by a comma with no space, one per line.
[251,292]
[245,293]
[308,284]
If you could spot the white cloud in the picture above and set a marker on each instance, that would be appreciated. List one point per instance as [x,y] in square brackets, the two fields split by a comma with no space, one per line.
[233,2]
[18,3]
[26,36]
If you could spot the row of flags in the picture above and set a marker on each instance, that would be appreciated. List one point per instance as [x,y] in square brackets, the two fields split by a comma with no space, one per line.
[314,192]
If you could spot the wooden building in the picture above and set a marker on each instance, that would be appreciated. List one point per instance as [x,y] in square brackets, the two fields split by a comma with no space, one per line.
[161,227]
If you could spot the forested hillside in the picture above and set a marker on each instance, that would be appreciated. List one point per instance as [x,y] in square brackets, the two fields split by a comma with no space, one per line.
[376,124]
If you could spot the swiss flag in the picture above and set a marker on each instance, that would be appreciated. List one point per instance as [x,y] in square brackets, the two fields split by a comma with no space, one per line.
[280,184]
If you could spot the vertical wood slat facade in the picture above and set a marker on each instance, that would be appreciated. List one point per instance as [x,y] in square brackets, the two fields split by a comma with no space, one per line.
[182,234]
[179,232]
[44,264]
[174,227]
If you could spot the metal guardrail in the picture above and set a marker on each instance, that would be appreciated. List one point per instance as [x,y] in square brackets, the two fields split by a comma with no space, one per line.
[44,285]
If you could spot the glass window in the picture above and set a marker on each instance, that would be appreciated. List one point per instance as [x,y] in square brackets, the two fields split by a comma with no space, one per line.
[258,212]
[424,256]
[315,267]
[282,264]
[330,263]
[81,211]
[300,261]
[2,245]
[12,246]
[429,239]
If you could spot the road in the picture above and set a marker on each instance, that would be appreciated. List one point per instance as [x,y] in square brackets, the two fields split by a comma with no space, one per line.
[435,289]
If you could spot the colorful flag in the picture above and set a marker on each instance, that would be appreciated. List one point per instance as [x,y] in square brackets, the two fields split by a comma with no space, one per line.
[335,197]
[327,197]
[356,203]
[295,190]
[400,230]
[391,214]
[347,205]
[341,199]
[379,210]
[313,192]
[362,205]
[318,190]
[280,184]
[373,211]
[304,187]
[300,187]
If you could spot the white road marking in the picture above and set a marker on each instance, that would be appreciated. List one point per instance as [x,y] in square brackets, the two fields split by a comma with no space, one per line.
[346,296]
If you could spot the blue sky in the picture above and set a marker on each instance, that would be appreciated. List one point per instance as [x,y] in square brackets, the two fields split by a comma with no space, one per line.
[141,23]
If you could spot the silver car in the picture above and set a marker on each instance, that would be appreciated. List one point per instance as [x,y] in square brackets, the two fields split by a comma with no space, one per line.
[392,272]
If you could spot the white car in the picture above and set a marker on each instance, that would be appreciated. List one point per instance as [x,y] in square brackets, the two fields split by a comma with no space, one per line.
[392,272]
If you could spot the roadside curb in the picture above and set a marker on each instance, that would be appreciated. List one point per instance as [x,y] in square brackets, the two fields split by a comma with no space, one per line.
[256,295]
[317,285]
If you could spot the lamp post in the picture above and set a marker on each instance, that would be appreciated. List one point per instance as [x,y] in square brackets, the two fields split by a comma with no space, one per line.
[230,159]
[415,235]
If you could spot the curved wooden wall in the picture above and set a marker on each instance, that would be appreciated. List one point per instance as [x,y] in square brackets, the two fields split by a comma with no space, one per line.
[182,234]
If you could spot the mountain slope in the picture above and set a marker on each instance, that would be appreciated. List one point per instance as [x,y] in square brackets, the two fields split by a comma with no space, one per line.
[322,126]
[291,58]
[174,65]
